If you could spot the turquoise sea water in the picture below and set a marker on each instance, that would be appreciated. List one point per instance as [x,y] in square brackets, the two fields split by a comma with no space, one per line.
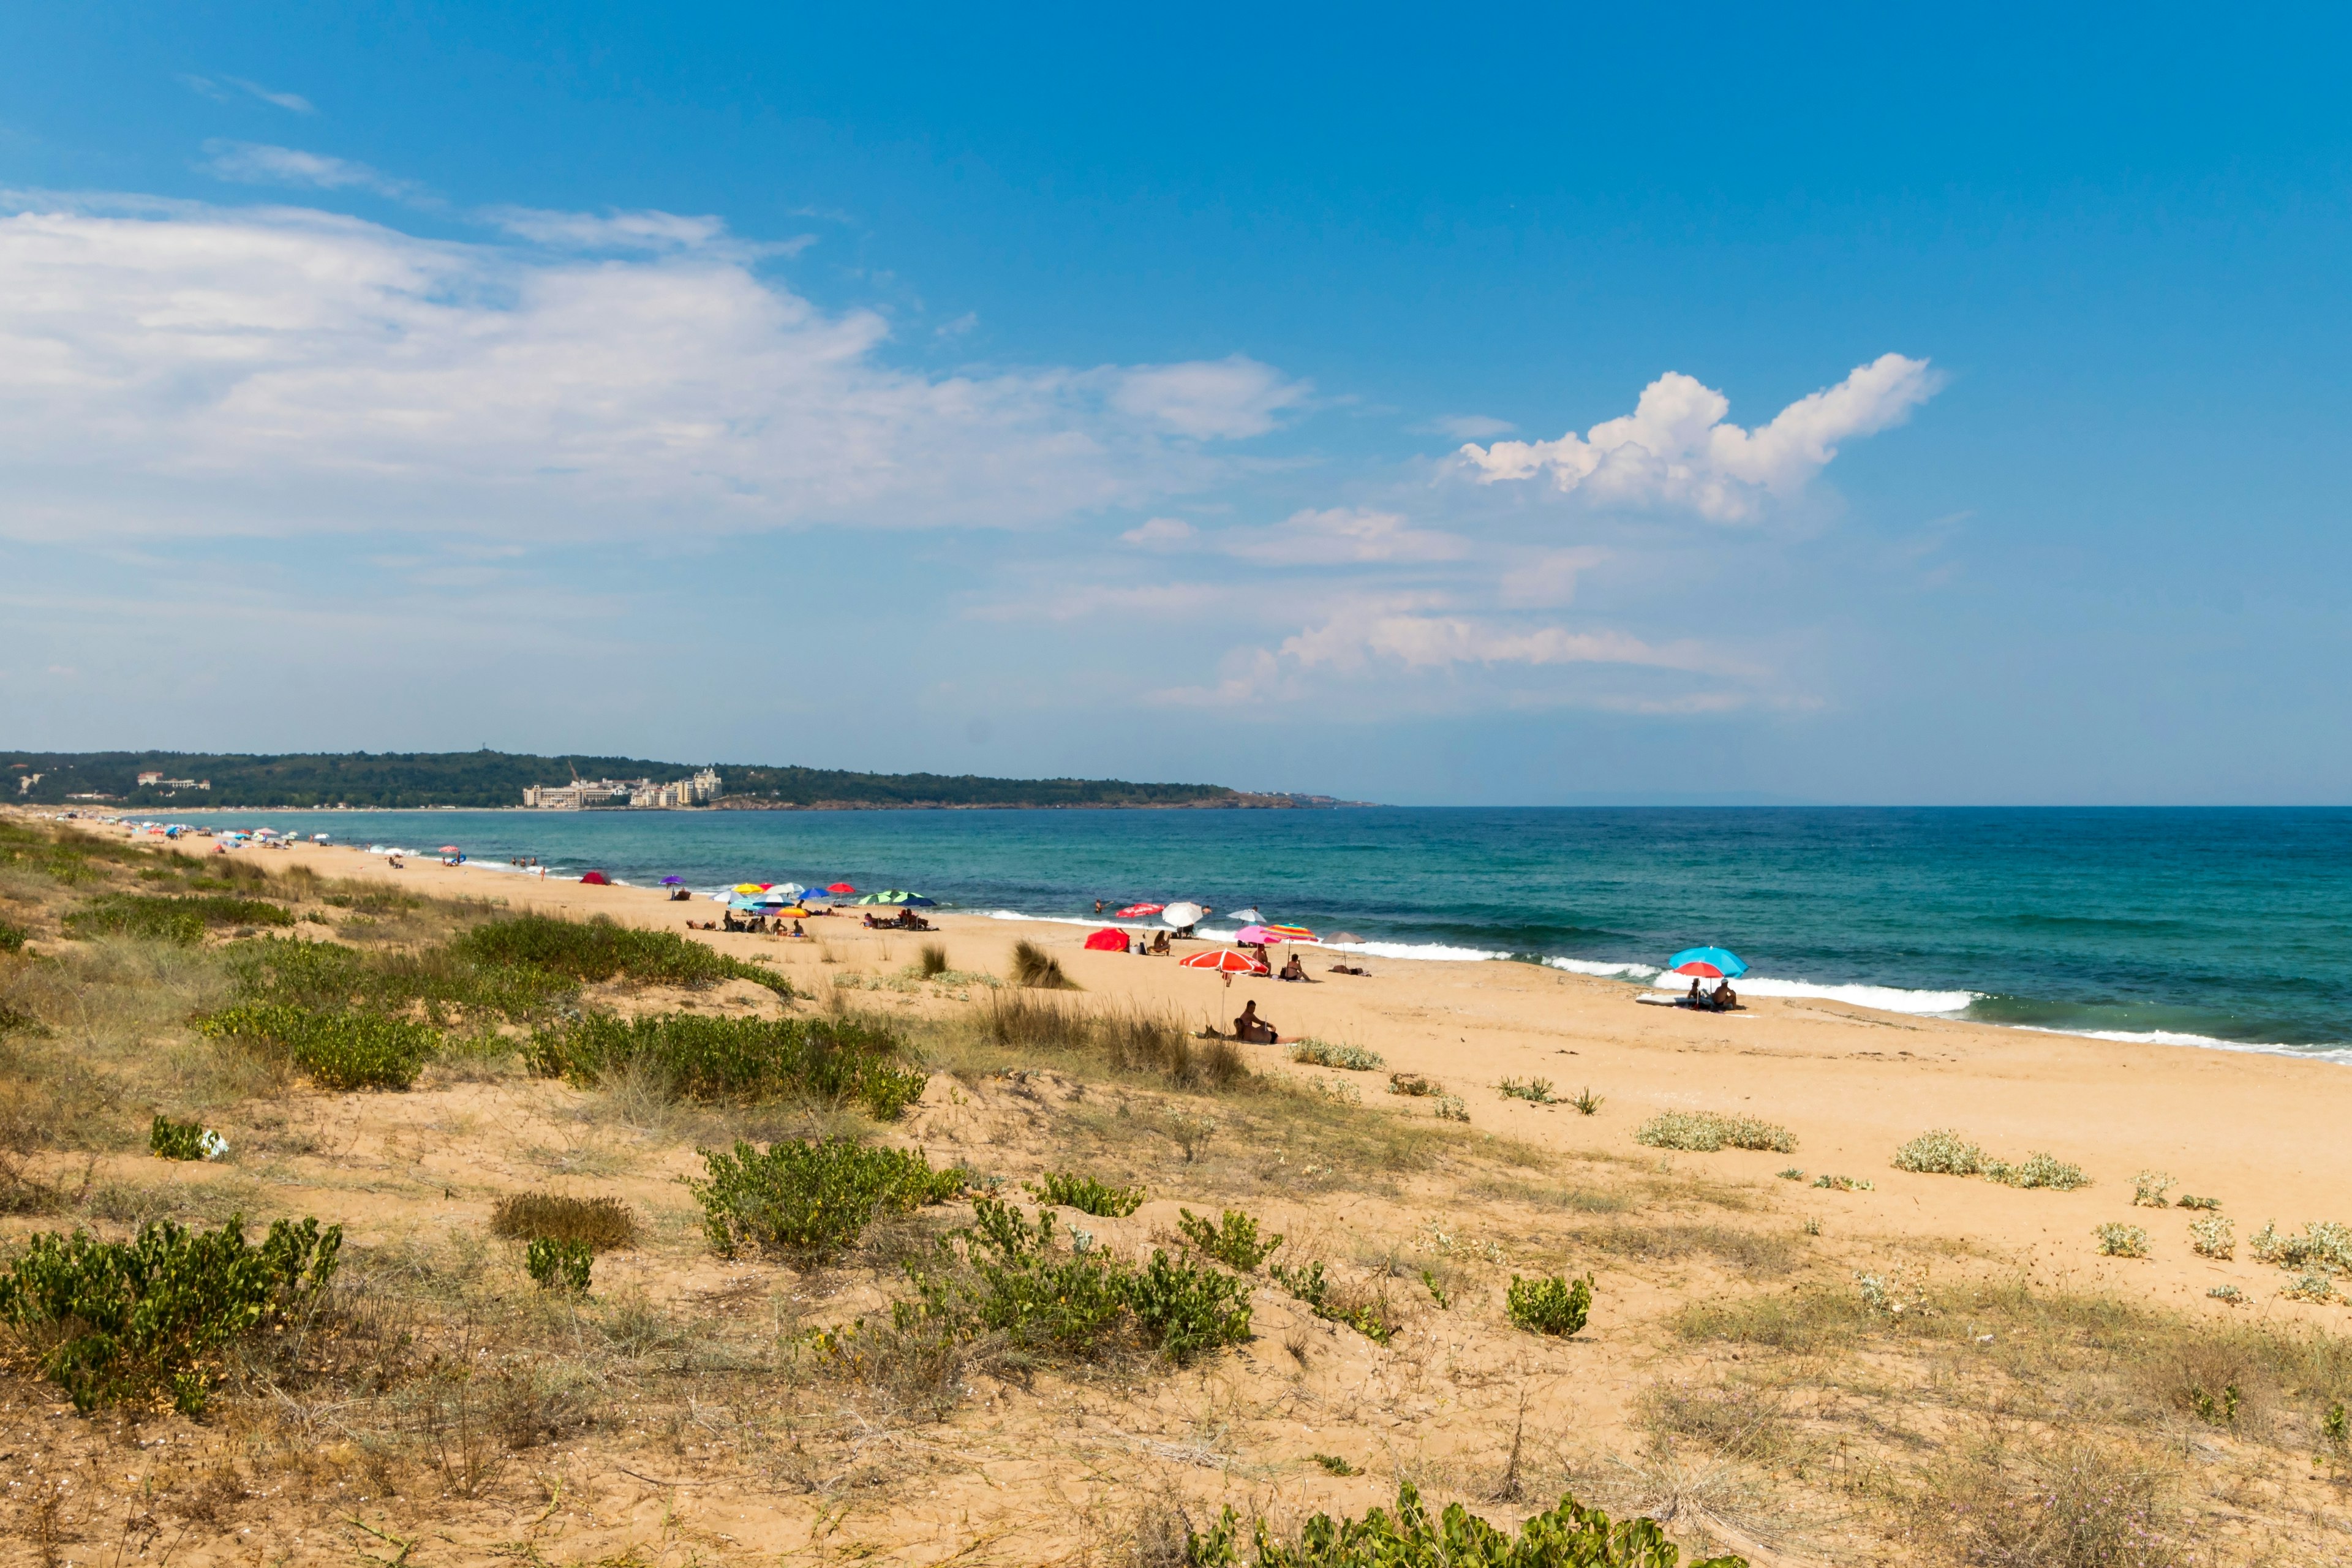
[2189,927]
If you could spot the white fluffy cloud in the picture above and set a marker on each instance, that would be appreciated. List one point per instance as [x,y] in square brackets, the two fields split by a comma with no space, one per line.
[195,369]
[257,163]
[1351,642]
[1675,450]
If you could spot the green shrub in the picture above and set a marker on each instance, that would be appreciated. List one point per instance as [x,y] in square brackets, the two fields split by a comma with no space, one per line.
[111,1321]
[1567,1536]
[335,1049]
[2187,1201]
[1535,1091]
[842,1060]
[1845,1184]
[560,1265]
[2323,1244]
[2213,1237]
[2038,1170]
[597,950]
[1035,968]
[12,937]
[1449,1108]
[1087,1195]
[1004,1275]
[1323,1054]
[811,1200]
[2148,1189]
[1705,1131]
[1587,1103]
[1411,1083]
[1549,1304]
[2119,1240]
[600,1224]
[326,976]
[170,1139]
[1942,1152]
[1233,1241]
[162,917]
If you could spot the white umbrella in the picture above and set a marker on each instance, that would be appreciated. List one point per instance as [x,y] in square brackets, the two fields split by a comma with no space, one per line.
[1181,915]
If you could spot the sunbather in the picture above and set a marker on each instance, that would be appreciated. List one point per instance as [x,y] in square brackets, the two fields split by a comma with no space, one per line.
[1294,970]
[1253,1030]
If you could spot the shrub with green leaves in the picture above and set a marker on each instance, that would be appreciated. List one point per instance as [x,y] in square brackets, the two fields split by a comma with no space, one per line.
[336,1049]
[1534,1091]
[597,950]
[12,937]
[1324,1054]
[1705,1131]
[2323,1244]
[114,1321]
[1087,1195]
[2119,1240]
[170,1139]
[1549,1304]
[2190,1201]
[2148,1189]
[841,1060]
[560,1265]
[811,1200]
[1567,1536]
[328,976]
[2038,1170]
[1007,1275]
[2213,1237]
[1232,1241]
[163,918]
[1941,1153]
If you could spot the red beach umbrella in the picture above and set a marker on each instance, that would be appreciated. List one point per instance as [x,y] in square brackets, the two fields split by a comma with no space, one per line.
[449,849]
[597,880]
[841,888]
[1107,940]
[1224,960]
[1137,911]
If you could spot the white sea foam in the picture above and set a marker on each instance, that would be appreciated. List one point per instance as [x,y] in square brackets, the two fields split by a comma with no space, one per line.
[2205,1042]
[1880,998]
[1605,971]
[1436,951]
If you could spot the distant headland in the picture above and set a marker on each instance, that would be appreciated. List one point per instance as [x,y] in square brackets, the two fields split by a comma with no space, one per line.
[190,781]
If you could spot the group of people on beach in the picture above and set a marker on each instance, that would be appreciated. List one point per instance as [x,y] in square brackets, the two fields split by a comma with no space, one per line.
[1722,999]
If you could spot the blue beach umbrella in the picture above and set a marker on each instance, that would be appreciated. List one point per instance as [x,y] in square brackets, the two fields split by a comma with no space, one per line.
[1706,963]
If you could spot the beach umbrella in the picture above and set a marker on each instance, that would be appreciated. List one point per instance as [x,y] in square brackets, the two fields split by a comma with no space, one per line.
[1255,936]
[1346,936]
[916,901]
[793,889]
[1137,911]
[673,881]
[791,912]
[1248,916]
[1110,939]
[1291,933]
[450,849]
[841,888]
[1180,915]
[748,888]
[1224,960]
[597,880]
[1706,963]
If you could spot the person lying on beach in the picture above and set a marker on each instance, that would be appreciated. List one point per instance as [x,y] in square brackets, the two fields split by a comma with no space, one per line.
[1252,1030]
[870,921]
[1294,970]
[1347,969]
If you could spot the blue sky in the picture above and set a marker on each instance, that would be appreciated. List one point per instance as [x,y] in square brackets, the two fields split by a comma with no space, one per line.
[1519,407]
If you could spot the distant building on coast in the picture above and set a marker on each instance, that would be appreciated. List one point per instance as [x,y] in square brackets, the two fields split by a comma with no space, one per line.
[157,780]
[605,795]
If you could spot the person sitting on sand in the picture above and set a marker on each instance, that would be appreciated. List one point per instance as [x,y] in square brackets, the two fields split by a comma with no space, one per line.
[1160,948]
[1294,970]
[1252,1030]
[1726,998]
[796,929]
[1694,999]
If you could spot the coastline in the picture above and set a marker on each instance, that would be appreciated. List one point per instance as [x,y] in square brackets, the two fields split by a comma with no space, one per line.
[2261,1131]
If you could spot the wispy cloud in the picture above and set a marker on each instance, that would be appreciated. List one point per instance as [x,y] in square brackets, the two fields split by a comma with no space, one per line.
[258,163]
[226,89]
[647,231]
[1332,536]
[1230,397]
[1676,450]
[1469,426]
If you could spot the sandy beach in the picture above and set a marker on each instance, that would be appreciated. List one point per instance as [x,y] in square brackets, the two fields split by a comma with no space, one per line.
[2260,1132]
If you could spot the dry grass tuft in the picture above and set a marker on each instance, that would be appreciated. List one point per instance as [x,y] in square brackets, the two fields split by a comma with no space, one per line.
[1040,970]
[602,1222]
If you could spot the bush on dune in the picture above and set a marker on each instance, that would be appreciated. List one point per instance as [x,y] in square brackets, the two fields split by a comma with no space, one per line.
[1567,1536]
[843,1060]
[161,918]
[810,1201]
[1705,1131]
[340,1050]
[597,950]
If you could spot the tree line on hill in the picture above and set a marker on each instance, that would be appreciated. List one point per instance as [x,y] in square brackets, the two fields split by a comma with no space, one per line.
[382,780]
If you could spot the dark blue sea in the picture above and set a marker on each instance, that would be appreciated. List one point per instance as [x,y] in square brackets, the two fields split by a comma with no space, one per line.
[2214,927]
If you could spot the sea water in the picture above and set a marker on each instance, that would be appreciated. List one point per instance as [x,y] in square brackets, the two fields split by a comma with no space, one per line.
[2217,927]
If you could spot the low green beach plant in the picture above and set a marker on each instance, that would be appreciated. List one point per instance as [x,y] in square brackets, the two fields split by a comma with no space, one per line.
[12,937]
[597,950]
[336,1049]
[841,1060]
[1566,1536]
[560,1265]
[1549,1304]
[2148,1189]
[2187,1201]
[1844,1184]
[170,1139]
[809,1202]
[163,918]
[1534,1091]
[1313,1291]
[1449,1108]
[2213,1237]
[115,1321]
[1087,1195]
[1410,1083]
[1587,1103]
[1232,1241]
[2323,1244]
[1944,1153]
[1323,1054]
[1706,1132]
[2119,1240]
